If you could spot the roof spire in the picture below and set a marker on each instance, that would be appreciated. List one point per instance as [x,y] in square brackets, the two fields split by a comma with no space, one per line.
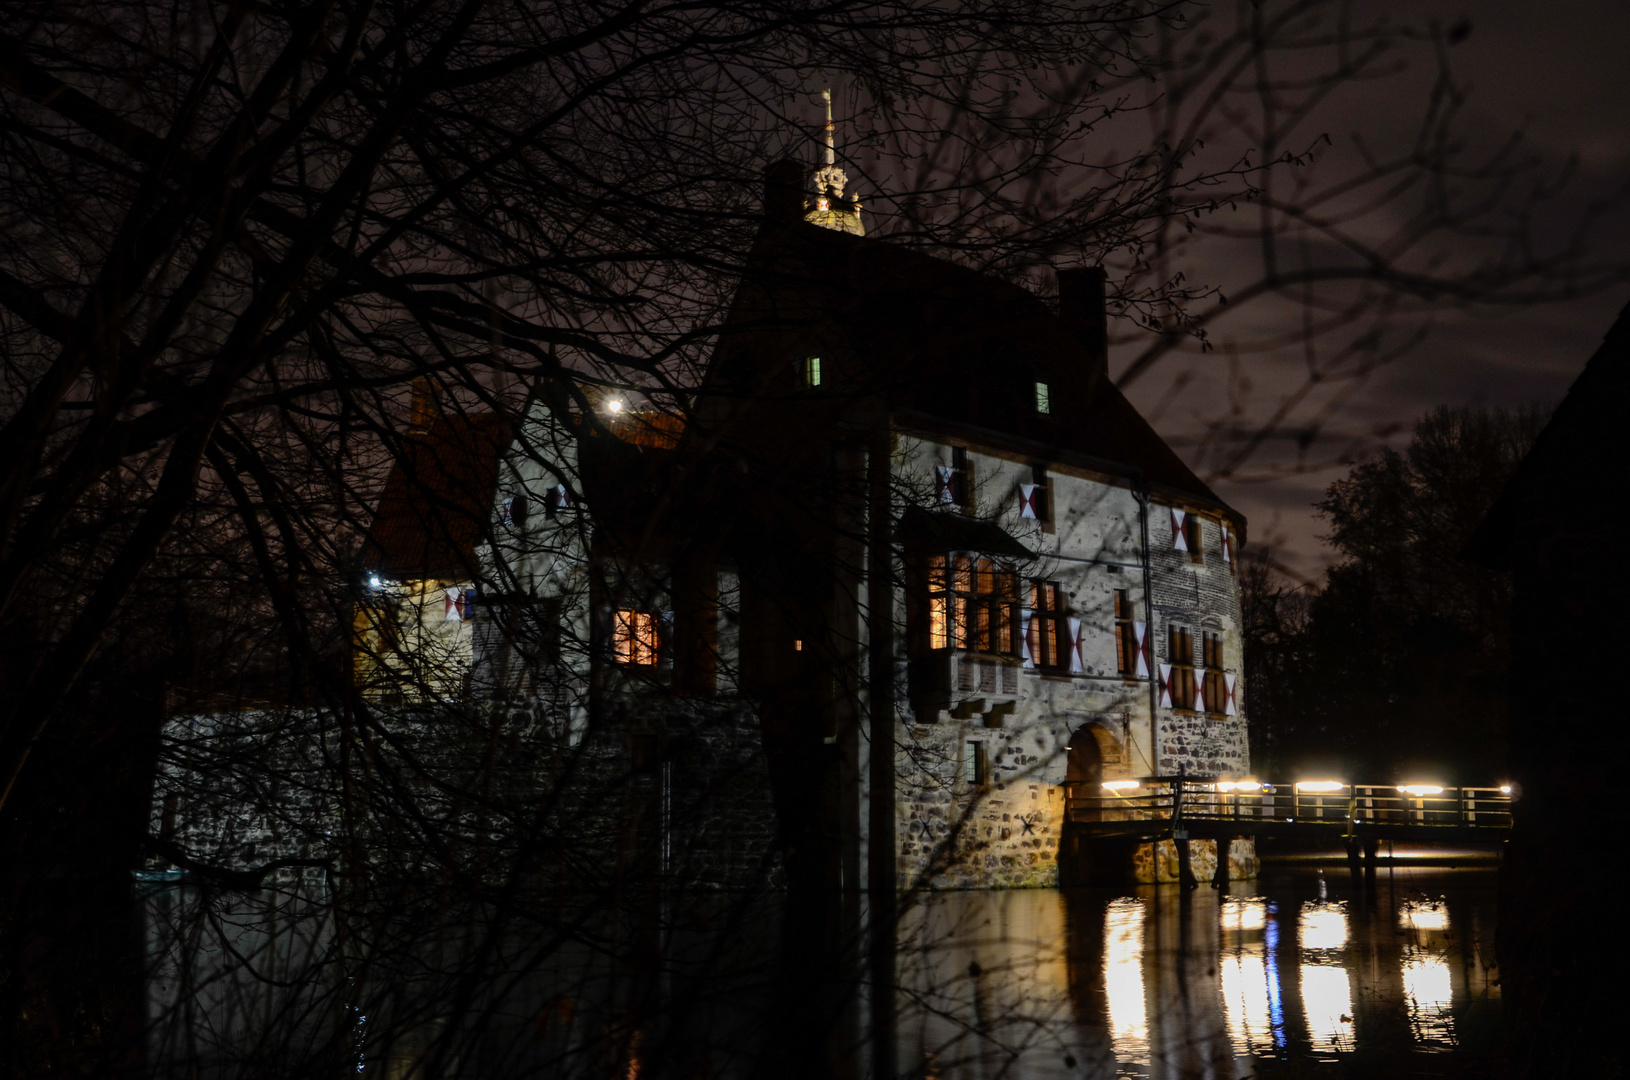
[830,209]
[829,181]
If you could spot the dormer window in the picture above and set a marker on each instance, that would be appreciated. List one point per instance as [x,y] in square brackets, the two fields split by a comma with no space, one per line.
[810,369]
[1044,400]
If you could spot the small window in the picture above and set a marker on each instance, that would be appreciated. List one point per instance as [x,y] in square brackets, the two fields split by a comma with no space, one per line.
[1126,642]
[961,477]
[1194,537]
[975,765]
[635,637]
[1047,633]
[1180,644]
[811,367]
[1044,399]
[1215,685]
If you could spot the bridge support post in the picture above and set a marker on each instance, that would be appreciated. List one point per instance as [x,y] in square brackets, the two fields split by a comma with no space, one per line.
[1353,866]
[1219,880]
[1185,868]
[1371,845]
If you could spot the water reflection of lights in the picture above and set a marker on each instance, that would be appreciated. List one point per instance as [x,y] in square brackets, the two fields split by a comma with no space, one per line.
[1322,926]
[1244,914]
[1428,994]
[1423,915]
[1327,999]
[1123,980]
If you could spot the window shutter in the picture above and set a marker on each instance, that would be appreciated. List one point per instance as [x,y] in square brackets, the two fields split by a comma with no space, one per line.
[1165,686]
[1027,500]
[1227,544]
[558,499]
[1200,694]
[1027,651]
[1230,704]
[944,488]
[509,511]
[1180,540]
[1140,634]
[453,602]
[1076,661]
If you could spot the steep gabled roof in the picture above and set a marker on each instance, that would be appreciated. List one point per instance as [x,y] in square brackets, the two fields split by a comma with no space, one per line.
[936,339]
[438,498]
[1578,465]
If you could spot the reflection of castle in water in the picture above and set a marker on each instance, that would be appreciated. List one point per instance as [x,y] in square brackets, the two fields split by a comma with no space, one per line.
[1151,984]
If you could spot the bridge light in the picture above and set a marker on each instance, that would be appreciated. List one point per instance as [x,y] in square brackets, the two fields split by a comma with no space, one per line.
[1244,787]
[1120,785]
[1505,789]
[1320,786]
[1419,790]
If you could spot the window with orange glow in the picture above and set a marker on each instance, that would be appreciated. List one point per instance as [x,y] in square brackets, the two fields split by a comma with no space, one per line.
[635,638]
[972,604]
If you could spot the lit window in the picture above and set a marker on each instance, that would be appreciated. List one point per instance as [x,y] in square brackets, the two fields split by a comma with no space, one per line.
[1213,686]
[1047,627]
[972,604]
[635,638]
[812,371]
[1044,399]
[1126,638]
[1180,651]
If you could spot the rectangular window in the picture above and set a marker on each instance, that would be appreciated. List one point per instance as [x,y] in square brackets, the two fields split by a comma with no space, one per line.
[1216,690]
[1194,537]
[1043,494]
[972,605]
[812,371]
[1180,642]
[1126,641]
[961,477]
[1044,399]
[635,637]
[975,766]
[1047,633]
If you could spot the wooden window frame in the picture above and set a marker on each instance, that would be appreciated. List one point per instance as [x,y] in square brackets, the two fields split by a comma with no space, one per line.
[973,605]
[636,638]
[1126,638]
[1048,624]
[1211,662]
[1194,536]
[975,765]
[1180,652]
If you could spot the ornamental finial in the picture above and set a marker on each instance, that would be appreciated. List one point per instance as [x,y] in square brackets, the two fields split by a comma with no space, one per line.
[830,180]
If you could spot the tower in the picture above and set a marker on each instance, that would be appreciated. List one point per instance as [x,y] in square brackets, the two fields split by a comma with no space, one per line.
[830,209]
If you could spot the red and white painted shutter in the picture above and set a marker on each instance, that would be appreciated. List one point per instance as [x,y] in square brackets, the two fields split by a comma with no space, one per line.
[1027,500]
[453,603]
[1230,701]
[1076,660]
[1025,652]
[563,497]
[1227,543]
[944,485]
[1200,694]
[508,514]
[1140,635]
[1165,686]
[1180,538]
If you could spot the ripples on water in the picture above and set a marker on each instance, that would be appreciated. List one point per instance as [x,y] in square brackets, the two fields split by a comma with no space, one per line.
[1024,983]
[1143,984]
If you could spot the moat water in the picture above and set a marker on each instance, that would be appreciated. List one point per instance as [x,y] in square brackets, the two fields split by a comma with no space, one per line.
[1300,972]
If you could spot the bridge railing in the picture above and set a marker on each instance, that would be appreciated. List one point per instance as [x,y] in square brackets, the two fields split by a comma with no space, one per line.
[1173,798]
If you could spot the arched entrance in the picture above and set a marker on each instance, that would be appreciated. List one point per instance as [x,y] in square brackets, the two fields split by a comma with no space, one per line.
[1092,752]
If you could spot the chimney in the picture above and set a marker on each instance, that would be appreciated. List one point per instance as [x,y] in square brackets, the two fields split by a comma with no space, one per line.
[1081,310]
[784,192]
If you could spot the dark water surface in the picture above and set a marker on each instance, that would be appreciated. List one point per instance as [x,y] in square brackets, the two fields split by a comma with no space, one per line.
[1286,971]
[1296,973]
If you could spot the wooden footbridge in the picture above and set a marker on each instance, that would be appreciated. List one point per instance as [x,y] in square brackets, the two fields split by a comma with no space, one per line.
[1358,816]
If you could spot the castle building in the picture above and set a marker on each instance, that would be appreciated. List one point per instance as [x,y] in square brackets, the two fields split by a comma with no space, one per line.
[906,524]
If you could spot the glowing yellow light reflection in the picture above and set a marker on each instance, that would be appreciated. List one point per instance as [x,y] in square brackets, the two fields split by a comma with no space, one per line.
[1327,999]
[1244,914]
[1322,926]
[1423,915]
[1420,790]
[1320,785]
[1120,785]
[1123,980]
[1243,787]
[1245,1000]
[1428,993]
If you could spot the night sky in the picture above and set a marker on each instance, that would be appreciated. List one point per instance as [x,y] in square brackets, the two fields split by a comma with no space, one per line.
[1557,69]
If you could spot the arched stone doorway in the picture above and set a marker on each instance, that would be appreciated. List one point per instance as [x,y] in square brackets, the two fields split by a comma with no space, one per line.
[1093,755]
